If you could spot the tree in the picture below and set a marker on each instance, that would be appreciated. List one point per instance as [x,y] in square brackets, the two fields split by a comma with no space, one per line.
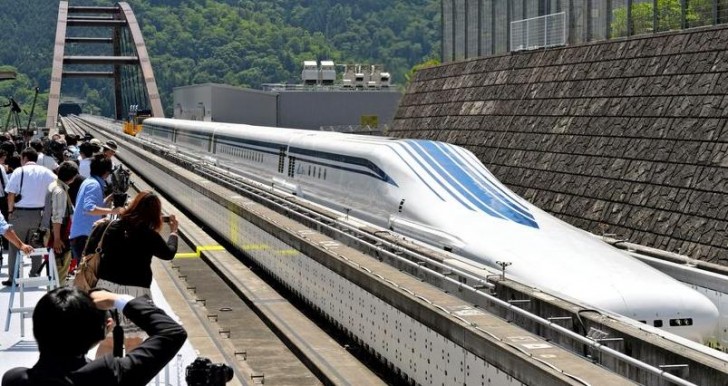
[410,75]
[669,14]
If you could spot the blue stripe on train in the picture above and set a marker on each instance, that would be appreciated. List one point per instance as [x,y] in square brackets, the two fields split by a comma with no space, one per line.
[484,180]
[452,174]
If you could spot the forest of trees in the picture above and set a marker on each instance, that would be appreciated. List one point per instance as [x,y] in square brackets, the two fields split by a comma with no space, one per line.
[237,42]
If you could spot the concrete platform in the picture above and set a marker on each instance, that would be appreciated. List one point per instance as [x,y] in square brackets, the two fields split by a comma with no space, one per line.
[17,350]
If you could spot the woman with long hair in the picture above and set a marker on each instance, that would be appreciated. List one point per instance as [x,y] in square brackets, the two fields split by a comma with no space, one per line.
[127,250]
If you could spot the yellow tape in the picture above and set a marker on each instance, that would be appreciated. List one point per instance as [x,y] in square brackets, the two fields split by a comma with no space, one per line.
[186,255]
[288,252]
[192,255]
[201,248]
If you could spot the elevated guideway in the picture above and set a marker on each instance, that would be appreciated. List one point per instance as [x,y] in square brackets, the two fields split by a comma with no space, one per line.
[611,342]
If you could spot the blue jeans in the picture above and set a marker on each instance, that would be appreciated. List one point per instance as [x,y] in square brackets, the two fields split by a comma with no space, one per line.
[77,245]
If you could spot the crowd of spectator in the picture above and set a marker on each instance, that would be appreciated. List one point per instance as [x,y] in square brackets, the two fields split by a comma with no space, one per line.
[39,183]
[60,186]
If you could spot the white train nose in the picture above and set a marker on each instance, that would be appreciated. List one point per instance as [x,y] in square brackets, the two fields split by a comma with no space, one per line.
[665,304]
[677,309]
[705,317]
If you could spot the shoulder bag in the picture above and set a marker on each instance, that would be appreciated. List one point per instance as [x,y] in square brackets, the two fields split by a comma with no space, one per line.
[19,196]
[87,273]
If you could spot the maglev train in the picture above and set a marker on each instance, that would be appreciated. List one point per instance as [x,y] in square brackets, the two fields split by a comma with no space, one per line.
[442,195]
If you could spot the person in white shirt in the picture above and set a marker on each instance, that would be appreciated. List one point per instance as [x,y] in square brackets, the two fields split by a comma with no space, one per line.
[30,182]
[86,151]
[43,159]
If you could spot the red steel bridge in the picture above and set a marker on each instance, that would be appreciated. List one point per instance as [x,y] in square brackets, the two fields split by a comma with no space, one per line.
[113,31]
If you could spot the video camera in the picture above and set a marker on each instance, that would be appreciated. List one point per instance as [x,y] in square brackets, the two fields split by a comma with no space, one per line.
[202,372]
[120,182]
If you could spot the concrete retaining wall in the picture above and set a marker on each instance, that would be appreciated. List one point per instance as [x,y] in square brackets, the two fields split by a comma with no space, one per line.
[626,137]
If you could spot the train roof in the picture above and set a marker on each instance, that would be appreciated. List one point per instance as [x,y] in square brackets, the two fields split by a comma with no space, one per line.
[283,134]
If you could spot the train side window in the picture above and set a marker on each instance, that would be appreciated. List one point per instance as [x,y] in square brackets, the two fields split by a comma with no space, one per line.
[281,158]
[325,174]
[657,322]
[291,166]
[681,322]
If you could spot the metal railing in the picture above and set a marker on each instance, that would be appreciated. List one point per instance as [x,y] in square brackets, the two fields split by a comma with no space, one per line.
[539,32]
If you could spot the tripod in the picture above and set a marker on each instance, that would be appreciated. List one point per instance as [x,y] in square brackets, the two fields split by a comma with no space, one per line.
[13,114]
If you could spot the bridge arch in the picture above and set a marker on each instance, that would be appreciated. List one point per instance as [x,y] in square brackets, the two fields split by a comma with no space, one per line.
[129,66]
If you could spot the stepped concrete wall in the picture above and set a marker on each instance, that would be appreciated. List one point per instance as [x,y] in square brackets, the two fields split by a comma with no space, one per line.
[627,137]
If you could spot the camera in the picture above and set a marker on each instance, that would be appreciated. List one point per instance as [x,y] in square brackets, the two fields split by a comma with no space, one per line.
[202,372]
[120,181]
[119,199]
[36,237]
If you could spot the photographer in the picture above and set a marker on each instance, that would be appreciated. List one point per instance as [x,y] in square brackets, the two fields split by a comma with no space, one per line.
[129,245]
[117,185]
[63,354]
[90,205]
[26,198]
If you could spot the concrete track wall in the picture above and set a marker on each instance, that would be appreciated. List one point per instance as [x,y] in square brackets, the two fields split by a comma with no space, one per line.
[626,137]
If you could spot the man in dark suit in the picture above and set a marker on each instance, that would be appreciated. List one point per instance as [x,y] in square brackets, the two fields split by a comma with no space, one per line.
[67,322]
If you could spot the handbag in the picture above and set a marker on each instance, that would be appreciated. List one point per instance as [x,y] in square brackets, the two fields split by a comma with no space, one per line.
[87,273]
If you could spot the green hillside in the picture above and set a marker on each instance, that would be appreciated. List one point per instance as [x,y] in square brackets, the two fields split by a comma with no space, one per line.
[238,42]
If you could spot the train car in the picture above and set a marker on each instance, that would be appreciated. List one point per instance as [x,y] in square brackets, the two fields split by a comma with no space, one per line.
[442,195]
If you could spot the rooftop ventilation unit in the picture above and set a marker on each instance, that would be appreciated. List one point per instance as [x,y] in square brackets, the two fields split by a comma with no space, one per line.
[359,80]
[327,72]
[365,77]
[310,72]
[384,79]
